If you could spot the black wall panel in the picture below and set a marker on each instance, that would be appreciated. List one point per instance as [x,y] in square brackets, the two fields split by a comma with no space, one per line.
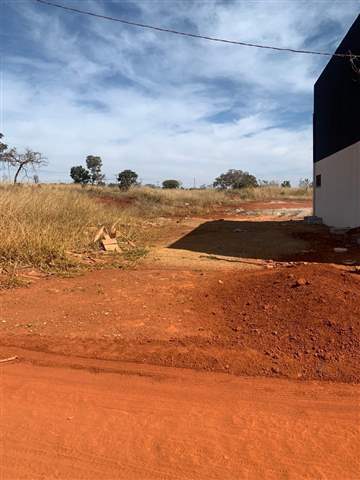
[337,100]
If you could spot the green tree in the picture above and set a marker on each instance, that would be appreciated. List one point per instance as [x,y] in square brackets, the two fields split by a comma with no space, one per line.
[171,184]
[126,179]
[235,179]
[94,164]
[80,175]
[286,184]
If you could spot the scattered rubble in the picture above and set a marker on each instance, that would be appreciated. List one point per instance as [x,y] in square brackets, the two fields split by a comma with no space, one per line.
[110,244]
[340,249]
[108,240]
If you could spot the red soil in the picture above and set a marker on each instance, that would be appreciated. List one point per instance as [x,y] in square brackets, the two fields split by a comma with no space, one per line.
[150,423]
[136,421]
[300,322]
[117,201]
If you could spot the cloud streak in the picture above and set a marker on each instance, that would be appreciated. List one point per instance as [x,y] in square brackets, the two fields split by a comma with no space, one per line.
[162,105]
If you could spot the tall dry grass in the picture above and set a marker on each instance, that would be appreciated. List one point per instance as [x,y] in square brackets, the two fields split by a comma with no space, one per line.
[41,224]
[152,202]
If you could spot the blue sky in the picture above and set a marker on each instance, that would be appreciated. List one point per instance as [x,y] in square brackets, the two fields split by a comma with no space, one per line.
[162,105]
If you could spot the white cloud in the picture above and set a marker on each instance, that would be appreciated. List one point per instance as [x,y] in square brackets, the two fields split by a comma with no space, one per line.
[157,109]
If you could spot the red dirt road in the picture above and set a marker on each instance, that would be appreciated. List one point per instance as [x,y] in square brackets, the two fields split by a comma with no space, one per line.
[159,423]
[247,323]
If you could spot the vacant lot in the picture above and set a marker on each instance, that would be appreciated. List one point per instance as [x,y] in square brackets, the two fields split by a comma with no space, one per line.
[249,294]
[52,227]
[241,287]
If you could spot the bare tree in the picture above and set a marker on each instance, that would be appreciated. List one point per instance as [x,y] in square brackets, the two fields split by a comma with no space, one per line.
[3,146]
[305,183]
[23,162]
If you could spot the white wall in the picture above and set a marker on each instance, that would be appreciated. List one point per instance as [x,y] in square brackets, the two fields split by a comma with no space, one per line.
[337,201]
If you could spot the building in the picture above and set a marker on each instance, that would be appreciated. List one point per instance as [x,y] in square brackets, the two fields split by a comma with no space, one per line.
[337,137]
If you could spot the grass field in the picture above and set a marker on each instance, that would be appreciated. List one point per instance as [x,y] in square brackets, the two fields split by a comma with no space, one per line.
[150,202]
[40,225]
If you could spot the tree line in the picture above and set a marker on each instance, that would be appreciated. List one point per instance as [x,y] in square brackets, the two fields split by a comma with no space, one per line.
[28,161]
[232,179]
[92,175]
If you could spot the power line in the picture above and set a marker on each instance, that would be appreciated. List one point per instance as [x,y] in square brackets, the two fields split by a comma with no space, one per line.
[194,35]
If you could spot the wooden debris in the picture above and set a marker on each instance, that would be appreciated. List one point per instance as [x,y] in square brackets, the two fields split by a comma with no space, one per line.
[110,244]
[100,233]
[9,359]
[113,230]
[109,239]
[126,239]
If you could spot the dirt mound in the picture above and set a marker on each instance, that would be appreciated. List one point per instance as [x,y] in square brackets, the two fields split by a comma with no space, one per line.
[300,322]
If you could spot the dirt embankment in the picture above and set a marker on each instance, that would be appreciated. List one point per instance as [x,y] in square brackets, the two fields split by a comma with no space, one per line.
[300,322]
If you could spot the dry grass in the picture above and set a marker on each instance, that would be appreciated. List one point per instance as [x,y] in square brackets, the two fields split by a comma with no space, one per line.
[150,202]
[271,193]
[40,225]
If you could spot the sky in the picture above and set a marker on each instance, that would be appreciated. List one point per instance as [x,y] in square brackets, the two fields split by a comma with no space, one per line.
[163,105]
